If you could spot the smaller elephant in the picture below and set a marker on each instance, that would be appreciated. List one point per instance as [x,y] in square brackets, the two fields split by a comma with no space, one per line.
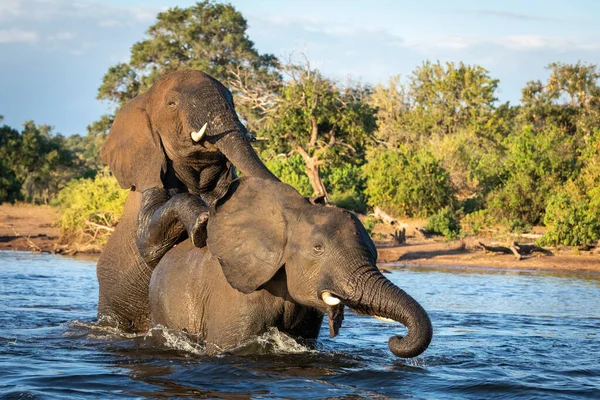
[274,259]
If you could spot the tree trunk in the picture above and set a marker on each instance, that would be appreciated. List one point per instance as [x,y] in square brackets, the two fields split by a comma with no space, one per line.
[314,174]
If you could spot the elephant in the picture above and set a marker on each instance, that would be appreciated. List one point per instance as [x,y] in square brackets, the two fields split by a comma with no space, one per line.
[274,259]
[175,147]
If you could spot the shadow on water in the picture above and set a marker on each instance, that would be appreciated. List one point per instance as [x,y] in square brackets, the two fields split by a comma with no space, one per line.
[499,334]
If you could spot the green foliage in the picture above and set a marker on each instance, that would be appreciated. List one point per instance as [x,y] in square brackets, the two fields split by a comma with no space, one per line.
[37,163]
[346,186]
[472,224]
[325,123]
[10,188]
[407,183]
[290,170]
[444,223]
[369,224]
[88,207]
[436,100]
[536,163]
[573,213]
[572,217]
[207,36]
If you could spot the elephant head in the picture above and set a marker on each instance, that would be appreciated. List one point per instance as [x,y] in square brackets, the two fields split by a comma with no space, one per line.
[260,227]
[181,129]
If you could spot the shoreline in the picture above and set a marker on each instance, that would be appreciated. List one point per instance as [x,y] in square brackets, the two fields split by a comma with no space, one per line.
[31,228]
[463,253]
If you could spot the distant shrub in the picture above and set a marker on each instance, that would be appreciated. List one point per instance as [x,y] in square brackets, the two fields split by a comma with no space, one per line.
[572,217]
[444,223]
[346,184]
[291,170]
[537,162]
[523,199]
[10,188]
[87,205]
[472,224]
[406,182]
[369,224]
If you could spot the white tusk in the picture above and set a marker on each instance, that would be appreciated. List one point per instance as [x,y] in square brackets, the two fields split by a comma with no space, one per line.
[329,299]
[383,319]
[196,136]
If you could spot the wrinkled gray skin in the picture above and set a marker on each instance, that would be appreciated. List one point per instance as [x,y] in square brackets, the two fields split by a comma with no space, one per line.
[271,255]
[172,178]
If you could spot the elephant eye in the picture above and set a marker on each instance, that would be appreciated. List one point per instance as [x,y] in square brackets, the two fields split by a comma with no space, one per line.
[172,104]
[318,248]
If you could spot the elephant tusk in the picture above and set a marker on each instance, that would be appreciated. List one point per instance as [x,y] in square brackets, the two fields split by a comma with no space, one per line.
[196,136]
[384,319]
[329,299]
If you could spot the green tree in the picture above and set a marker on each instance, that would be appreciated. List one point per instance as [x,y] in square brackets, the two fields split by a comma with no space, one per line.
[10,142]
[406,182]
[438,99]
[569,100]
[449,109]
[318,119]
[207,36]
[45,164]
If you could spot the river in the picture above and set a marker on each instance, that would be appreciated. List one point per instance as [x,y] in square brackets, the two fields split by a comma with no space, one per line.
[497,334]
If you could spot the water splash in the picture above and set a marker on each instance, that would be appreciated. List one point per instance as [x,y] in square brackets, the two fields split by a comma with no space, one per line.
[271,342]
[162,337]
[96,330]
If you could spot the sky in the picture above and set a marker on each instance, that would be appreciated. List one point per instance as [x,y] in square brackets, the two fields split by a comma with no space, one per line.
[54,53]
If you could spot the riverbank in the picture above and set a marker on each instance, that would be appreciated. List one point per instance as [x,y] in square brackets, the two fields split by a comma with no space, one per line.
[31,228]
[467,253]
[28,227]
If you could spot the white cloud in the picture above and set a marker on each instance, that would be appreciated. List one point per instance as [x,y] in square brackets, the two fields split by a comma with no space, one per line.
[511,42]
[61,36]
[17,36]
[10,8]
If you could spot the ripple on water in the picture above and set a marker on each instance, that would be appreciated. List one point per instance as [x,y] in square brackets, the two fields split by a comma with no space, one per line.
[499,335]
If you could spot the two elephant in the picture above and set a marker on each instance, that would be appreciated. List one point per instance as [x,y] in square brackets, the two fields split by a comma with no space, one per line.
[273,258]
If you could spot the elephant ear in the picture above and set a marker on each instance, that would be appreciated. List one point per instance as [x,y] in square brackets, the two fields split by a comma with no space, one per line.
[132,151]
[247,230]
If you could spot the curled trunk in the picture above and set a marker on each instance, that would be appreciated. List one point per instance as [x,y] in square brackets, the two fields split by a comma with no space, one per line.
[240,153]
[381,298]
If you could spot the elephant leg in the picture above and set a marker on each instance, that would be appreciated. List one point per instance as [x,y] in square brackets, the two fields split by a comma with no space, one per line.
[123,277]
[163,222]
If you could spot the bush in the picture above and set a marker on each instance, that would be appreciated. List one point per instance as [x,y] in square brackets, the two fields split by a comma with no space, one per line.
[572,217]
[407,183]
[290,170]
[87,205]
[472,224]
[346,185]
[537,163]
[523,198]
[444,223]
[369,224]
[10,187]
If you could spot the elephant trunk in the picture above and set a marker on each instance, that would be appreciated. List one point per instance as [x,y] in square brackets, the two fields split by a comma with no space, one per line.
[381,298]
[237,148]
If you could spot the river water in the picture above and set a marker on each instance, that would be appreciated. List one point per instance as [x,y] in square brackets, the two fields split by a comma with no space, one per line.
[497,334]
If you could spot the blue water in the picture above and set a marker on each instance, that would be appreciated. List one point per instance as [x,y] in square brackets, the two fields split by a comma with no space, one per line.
[497,334]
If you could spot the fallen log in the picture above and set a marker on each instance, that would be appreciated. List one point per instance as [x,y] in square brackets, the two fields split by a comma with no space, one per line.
[526,249]
[384,217]
[516,249]
[496,249]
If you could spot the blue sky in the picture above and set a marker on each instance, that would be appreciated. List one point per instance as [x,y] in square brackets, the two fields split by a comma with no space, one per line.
[53,53]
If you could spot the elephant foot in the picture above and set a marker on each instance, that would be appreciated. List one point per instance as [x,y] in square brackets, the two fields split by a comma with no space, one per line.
[198,233]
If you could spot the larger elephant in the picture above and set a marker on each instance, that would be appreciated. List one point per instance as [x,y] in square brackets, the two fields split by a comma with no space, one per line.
[178,140]
[276,260]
